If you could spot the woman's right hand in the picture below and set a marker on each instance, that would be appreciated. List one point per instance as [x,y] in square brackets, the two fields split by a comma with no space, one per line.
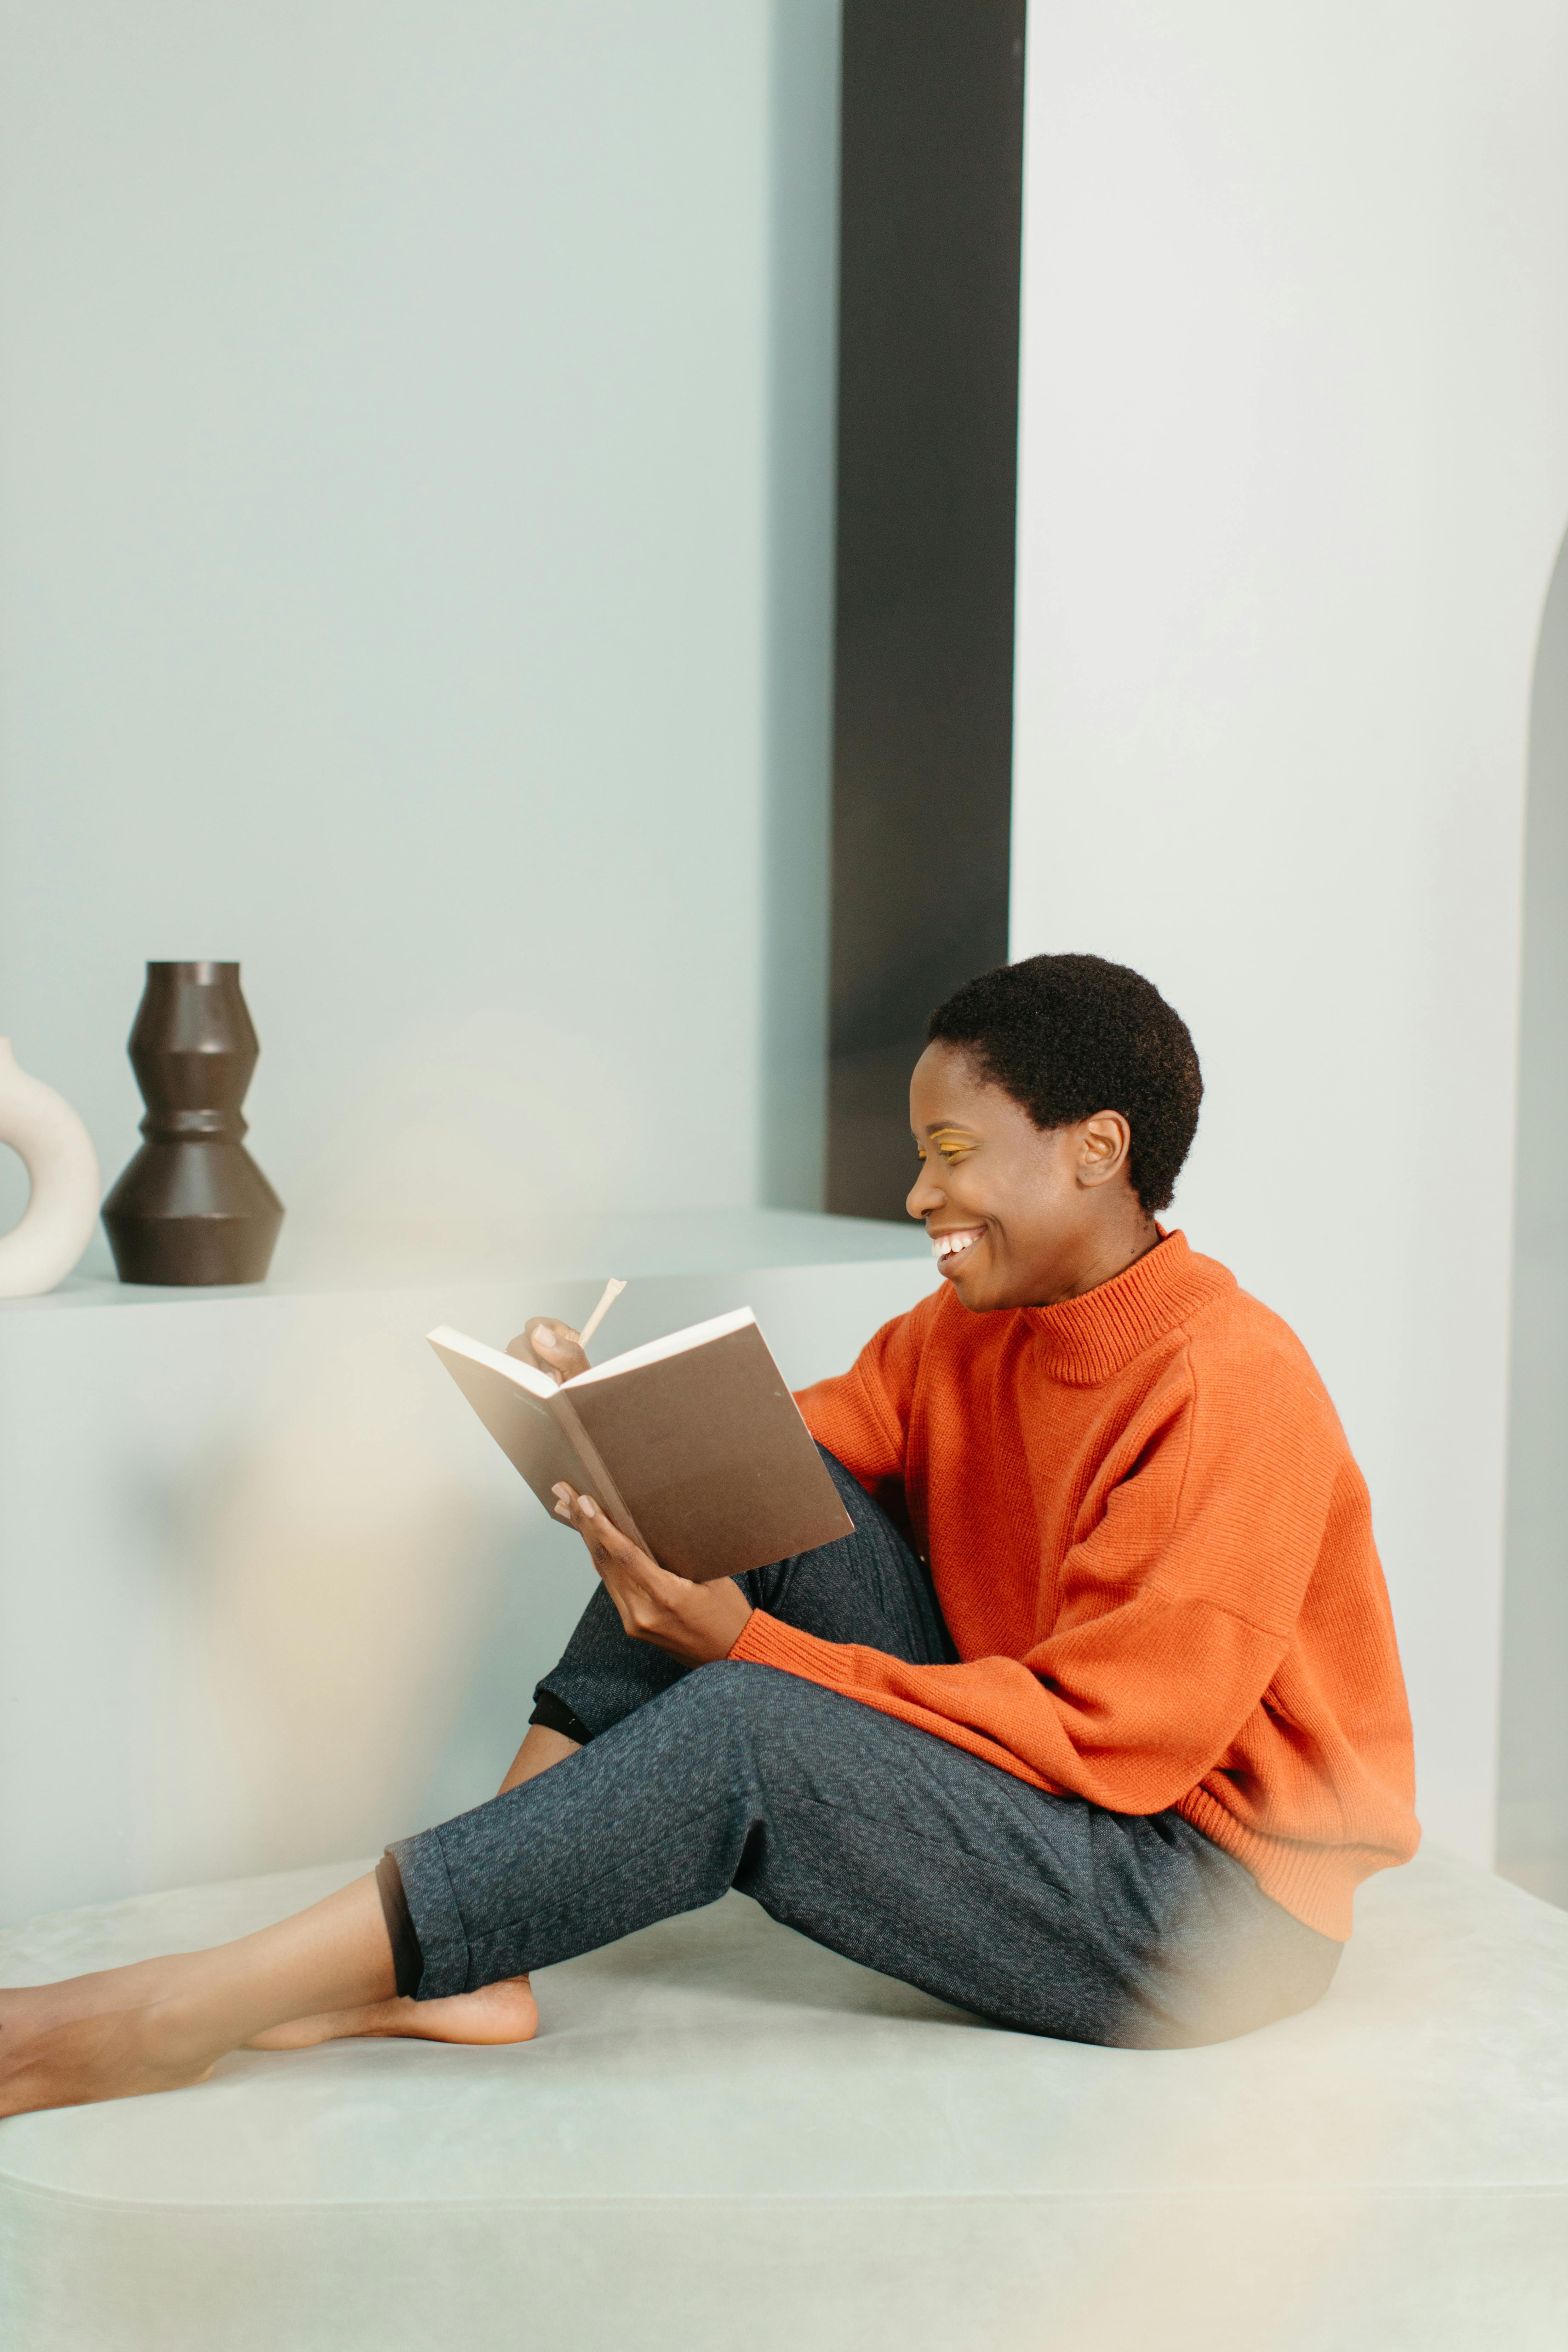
[549,1346]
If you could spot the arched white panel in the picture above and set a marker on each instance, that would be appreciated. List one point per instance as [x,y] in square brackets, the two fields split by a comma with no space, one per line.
[1532,1790]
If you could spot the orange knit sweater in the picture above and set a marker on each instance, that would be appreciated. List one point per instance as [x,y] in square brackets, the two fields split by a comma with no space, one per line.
[1153,1551]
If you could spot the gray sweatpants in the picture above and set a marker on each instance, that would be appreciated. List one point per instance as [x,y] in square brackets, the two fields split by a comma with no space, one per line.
[882,1842]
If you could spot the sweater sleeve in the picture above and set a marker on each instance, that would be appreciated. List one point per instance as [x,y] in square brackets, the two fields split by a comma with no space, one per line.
[1168,1619]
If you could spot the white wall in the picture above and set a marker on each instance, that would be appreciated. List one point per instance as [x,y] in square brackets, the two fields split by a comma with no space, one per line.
[415,563]
[1294,473]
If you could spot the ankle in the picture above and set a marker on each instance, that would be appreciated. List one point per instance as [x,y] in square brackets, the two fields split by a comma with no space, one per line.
[182,2032]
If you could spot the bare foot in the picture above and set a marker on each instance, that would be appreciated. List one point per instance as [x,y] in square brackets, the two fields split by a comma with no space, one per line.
[66,2046]
[159,2024]
[496,2012]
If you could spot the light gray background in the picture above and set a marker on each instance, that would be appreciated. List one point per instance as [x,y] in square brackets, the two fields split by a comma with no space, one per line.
[415,523]
[416,506]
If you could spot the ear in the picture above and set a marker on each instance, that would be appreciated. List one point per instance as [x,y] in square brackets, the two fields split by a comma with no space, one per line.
[1104,1146]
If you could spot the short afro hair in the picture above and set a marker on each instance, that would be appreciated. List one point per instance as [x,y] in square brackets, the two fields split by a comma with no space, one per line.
[1066,1035]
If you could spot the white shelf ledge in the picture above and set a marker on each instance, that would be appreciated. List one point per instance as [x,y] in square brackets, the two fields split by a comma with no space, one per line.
[660,1243]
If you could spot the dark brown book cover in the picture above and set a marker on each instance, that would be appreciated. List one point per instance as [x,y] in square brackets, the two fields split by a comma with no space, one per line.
[694,1444]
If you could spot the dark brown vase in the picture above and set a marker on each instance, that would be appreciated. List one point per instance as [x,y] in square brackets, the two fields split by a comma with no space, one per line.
[193,1206]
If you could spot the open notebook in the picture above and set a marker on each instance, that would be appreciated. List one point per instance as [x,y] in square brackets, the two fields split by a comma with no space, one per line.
[693,1445]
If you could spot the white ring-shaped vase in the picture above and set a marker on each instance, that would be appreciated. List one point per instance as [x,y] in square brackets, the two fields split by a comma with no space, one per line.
[62,1168]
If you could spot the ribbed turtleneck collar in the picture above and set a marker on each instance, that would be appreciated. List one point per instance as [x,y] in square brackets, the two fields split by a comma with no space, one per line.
[1091,1338]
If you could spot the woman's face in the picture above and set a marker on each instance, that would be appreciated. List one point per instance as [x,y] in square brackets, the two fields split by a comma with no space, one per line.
[1017,1215]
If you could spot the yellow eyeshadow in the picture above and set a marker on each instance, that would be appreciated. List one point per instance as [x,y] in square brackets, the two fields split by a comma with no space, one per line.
[952,1142]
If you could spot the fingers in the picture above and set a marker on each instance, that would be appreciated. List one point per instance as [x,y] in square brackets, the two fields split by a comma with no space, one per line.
[608,1547]
[556,1346]
[694,1622]
[616,1560]
[629,1574]
[597,1529]
[551,1346]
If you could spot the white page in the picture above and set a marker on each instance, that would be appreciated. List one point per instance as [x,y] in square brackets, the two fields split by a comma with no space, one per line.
[538,1385]
[657,1351]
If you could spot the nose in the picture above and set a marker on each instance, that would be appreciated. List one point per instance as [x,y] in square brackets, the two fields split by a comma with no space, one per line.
[924,1194]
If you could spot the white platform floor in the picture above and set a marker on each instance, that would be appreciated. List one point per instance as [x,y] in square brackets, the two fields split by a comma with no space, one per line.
[725,2136]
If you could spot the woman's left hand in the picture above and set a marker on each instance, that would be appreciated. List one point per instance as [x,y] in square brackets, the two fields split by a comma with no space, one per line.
[694,1622]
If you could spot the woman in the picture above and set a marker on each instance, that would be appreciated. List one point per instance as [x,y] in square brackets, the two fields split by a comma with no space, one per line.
[1093,1727]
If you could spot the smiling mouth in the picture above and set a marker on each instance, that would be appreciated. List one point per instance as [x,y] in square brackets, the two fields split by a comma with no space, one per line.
[951,1249]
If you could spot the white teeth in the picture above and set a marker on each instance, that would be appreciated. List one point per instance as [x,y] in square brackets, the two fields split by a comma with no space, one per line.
[946,1246]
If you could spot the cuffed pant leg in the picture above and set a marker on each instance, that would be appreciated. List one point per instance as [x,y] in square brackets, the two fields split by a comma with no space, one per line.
[648,1821]
[873,1838]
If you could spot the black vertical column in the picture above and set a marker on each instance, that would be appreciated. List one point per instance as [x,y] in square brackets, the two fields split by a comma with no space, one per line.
[928,427]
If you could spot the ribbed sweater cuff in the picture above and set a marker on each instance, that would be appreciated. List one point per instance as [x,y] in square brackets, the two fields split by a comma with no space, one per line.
[1316,1884]
[766,1640]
